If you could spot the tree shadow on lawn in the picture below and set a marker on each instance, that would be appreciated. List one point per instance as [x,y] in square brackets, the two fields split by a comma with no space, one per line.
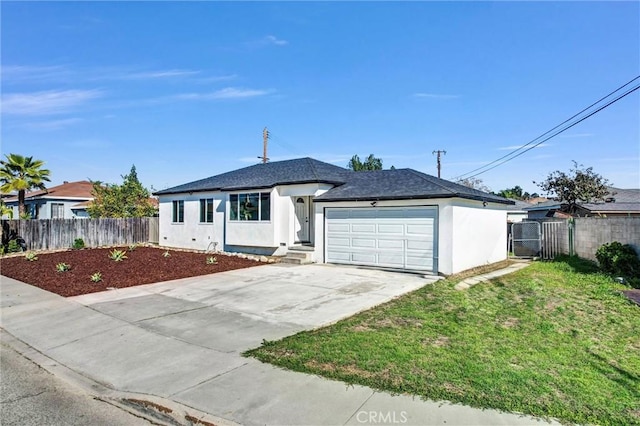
[578,264]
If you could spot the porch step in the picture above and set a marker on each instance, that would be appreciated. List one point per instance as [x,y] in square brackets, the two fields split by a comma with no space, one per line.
[299,255]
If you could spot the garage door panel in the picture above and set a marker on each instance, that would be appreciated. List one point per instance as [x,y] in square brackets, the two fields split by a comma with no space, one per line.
[424,245]
[389,213]
[419,262]
[338,227]
[419,228]
[363,242]
[391,244]
[338,213]
[364,257]
[363,228]
[385,228]
[391,260]
[400,238]
[337,256]
[338,242]
[419,213]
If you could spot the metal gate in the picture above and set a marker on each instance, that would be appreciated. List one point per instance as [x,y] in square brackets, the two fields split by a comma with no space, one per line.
[526,239]
[551,243]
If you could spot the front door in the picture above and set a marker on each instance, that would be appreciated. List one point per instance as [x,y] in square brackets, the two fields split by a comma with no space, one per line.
[301,225]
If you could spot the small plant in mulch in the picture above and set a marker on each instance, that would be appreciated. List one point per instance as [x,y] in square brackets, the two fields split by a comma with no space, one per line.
[211,260]
[117,255]
[63,267]
[132,247]
[31,256]
[78,244]
[96,277]
[166,254]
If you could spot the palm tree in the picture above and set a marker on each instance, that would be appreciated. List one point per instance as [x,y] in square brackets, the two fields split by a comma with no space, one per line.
[22,174]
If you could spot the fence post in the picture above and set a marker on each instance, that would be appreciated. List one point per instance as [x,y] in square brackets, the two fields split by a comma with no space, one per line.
[571,227]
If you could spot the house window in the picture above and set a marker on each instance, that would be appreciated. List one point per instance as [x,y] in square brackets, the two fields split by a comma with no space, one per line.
[206,210]
[57,211]
[255,206]
[177,215]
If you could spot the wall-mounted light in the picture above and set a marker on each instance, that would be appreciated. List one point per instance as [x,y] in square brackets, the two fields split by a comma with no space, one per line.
[484,204]
[373,203]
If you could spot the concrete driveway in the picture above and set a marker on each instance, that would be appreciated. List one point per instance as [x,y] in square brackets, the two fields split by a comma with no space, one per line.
[236,310]
[181,341]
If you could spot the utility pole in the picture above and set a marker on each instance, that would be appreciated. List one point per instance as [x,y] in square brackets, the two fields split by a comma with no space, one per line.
[439,152]
[265,139]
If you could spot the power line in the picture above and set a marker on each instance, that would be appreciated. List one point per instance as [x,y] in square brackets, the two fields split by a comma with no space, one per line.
[560,131]
[548,131]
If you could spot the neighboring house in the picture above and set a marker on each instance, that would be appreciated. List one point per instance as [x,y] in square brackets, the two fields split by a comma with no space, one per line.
[516,212]
[619,203]
[400,219]
[66,201]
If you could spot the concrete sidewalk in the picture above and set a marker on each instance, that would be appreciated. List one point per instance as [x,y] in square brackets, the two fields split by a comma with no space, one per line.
[178,344]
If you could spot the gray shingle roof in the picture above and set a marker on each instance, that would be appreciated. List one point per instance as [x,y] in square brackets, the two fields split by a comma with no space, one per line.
[259,176]
[402,184]
[371,185]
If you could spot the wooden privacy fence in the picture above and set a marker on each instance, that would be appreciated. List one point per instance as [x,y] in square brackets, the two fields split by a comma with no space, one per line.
[49,234]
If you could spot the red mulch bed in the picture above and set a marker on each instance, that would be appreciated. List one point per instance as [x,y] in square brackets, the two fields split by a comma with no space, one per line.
[144,265]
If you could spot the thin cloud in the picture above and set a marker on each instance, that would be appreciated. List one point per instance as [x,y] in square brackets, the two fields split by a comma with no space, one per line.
[53,124]
[442,96]
[150,75]
[46,102]
[512,147]
[218,78]
[17,73]
[271,39]
[226,93]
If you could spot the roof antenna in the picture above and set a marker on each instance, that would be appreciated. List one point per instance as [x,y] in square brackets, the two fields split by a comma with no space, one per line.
[265,139]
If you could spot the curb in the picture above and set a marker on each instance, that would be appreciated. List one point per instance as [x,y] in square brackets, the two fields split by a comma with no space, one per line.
[154,409]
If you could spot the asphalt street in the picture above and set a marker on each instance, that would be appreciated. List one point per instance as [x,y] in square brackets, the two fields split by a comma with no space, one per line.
[29,395]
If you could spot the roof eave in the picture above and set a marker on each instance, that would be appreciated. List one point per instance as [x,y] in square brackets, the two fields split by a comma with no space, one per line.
[413,197]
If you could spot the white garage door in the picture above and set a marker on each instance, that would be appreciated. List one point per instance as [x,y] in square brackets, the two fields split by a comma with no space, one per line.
[393,237]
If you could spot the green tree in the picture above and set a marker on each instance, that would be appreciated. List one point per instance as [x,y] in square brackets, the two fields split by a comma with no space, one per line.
[5,210]
[579,185]
[371,163]
[130,199]
[516,193]
[22,174]
[475,183]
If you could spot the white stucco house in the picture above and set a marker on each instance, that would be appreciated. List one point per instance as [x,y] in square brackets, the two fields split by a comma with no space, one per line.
[400,219]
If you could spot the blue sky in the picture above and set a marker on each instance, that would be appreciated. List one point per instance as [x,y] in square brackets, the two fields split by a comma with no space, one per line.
[183,89]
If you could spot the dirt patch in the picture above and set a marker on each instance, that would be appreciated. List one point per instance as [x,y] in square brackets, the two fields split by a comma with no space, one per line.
[633,295]
[144,265]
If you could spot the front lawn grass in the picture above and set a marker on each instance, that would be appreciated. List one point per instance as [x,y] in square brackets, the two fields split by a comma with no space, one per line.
[555,339]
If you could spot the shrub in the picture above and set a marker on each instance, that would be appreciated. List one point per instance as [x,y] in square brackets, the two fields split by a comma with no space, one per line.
[62,267]
[13,247]
[132,247]
[31,256]
[166,254]
[96,277]
[211,260]
[620,260]
[117,255]
[78,244]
